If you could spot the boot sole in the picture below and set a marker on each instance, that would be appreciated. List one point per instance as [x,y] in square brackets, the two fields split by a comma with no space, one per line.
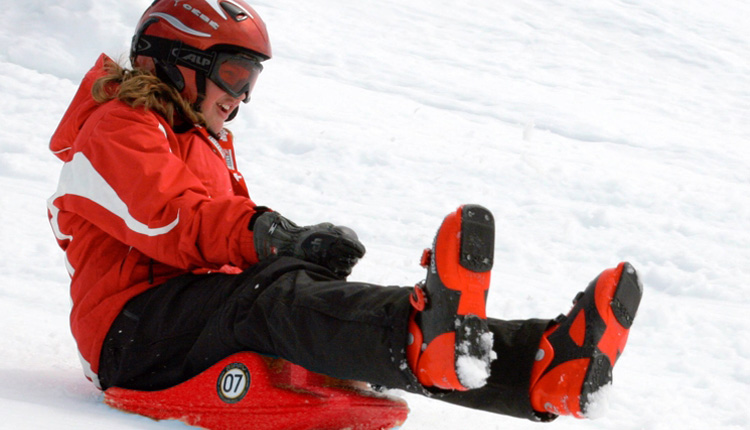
[477,247]
[608,316]
[624,306]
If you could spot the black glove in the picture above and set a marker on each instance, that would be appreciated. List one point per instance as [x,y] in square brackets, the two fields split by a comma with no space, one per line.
[334,247]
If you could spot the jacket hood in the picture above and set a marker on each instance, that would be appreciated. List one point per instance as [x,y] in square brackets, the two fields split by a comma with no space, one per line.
[82,106]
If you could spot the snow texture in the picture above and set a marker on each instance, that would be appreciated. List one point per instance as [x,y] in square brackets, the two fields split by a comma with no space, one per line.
[598,403]
[473,371]
[594,131]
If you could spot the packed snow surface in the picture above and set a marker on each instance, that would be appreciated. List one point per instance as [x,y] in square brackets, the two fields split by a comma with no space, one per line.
[595,132]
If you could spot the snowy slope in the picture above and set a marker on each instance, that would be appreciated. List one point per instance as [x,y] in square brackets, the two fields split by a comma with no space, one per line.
[595,133]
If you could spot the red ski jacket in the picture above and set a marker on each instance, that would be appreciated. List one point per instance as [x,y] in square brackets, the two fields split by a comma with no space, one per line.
[139,203]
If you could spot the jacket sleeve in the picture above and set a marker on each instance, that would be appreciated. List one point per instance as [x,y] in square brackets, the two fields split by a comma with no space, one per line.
[126,180]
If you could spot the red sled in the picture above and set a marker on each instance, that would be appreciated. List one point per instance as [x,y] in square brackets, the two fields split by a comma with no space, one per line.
[249,391]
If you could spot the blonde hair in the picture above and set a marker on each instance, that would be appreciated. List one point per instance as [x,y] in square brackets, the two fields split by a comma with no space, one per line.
[140,88]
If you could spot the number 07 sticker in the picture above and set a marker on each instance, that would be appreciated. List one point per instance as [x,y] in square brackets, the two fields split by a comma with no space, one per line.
[233,383]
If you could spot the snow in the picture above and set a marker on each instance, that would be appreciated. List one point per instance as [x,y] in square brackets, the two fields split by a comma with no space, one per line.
[595,132]
[473,371]
[598,403]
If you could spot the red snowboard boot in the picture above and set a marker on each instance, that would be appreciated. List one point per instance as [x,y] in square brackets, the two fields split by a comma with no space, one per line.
[450,343]
[577,354]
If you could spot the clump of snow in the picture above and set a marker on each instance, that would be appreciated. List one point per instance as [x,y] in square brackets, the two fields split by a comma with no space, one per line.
[598,402]
[472,370]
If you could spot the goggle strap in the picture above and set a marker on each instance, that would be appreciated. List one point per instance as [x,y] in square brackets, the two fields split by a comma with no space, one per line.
[175,52]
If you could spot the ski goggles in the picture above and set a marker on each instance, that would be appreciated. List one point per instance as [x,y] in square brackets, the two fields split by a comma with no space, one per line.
[235,73]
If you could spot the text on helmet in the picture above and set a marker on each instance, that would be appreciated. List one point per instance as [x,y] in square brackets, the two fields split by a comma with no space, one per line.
[202,16]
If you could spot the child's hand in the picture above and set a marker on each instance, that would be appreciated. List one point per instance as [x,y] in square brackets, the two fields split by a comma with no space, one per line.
[334,247]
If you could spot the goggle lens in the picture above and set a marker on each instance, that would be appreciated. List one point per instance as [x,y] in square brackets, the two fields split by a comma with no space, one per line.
[236,74]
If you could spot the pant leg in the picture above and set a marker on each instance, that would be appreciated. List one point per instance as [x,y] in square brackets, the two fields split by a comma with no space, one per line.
[347,330]
[285,308]
[146,345]
[507,390]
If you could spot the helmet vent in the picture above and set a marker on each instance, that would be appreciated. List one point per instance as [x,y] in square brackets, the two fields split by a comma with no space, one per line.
[237,13]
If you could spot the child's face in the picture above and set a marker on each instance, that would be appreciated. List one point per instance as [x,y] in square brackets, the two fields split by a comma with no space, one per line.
[217,105]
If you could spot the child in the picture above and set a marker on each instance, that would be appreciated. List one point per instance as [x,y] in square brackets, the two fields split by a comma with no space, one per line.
[174,267]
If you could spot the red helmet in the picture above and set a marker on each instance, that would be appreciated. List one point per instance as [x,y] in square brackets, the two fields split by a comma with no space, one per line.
[186,42]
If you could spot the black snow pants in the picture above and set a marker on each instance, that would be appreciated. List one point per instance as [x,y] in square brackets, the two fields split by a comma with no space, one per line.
[300,312]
